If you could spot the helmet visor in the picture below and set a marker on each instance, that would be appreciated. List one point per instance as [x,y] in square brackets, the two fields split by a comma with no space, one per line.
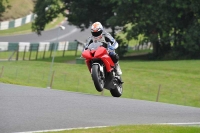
[96,34]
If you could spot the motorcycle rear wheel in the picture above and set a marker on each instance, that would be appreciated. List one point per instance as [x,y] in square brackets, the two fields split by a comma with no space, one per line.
[97,78]
[118,90]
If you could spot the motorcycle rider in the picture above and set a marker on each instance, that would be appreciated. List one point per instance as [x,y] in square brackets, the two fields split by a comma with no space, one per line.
[100,35]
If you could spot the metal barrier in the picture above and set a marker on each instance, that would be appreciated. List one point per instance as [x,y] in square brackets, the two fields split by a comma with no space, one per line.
[30,47]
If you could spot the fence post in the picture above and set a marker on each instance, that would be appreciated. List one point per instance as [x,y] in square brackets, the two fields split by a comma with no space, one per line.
[76,49]
[52,77]
[30,52]
[52,46]
[37,52]
[17,55]
[1,71]
[158,94]
[24,52]
[44,51]
[64,49]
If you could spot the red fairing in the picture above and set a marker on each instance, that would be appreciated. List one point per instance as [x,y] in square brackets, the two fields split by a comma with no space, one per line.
[86,54]
[88,64]
[100,53]
[108,62]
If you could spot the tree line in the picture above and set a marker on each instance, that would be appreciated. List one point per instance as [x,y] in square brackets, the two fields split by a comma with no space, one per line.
[172,26]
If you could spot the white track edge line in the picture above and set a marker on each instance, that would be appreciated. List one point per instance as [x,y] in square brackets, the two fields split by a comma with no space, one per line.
[55,130]
[65,129]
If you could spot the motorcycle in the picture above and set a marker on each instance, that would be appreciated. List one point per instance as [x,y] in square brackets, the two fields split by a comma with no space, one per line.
[102,69]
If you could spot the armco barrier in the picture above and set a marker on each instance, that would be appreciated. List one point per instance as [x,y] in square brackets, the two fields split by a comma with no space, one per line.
[40,46]
[17,22]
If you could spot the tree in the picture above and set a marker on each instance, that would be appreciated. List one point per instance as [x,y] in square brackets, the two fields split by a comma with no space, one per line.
[165,23]
[172,26]
[3,6]
[81,13]
[84,12]
[46,11]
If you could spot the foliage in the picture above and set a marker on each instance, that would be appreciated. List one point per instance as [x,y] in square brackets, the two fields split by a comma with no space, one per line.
[123,47]
[164,23]
[82,16]
[2,6]
[46,11]
[83,13]
[168,24]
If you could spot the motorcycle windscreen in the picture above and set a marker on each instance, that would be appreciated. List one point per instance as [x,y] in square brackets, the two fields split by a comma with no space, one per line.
[94,45]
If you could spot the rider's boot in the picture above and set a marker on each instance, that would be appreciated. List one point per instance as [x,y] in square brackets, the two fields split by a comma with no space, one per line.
[119,71]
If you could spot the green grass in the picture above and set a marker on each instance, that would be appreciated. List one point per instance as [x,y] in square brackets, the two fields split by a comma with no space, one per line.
[178,80]
[137,129]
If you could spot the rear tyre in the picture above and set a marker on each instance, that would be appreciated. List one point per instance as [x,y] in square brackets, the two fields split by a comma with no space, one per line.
[97,78]
[118,89]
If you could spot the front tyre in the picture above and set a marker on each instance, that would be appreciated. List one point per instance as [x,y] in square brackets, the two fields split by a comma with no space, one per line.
[97,78]
[118,89]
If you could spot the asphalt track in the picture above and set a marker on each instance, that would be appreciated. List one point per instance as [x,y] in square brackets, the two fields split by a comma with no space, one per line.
[25,109]
[56,34]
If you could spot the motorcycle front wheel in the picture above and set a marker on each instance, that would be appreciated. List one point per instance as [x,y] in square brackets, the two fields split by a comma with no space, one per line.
[97,78]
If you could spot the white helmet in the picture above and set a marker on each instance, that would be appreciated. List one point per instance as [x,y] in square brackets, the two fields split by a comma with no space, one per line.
[96,29]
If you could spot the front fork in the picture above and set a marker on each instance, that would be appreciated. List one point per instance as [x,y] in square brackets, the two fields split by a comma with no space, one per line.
[101,68]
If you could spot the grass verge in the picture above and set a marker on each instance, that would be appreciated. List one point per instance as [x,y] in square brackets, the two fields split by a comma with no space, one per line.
[137,129]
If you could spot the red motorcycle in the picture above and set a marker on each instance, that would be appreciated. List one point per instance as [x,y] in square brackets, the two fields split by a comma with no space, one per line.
[102,69]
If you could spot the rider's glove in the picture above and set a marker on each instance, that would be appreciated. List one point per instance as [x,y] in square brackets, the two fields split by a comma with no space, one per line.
[110,48]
